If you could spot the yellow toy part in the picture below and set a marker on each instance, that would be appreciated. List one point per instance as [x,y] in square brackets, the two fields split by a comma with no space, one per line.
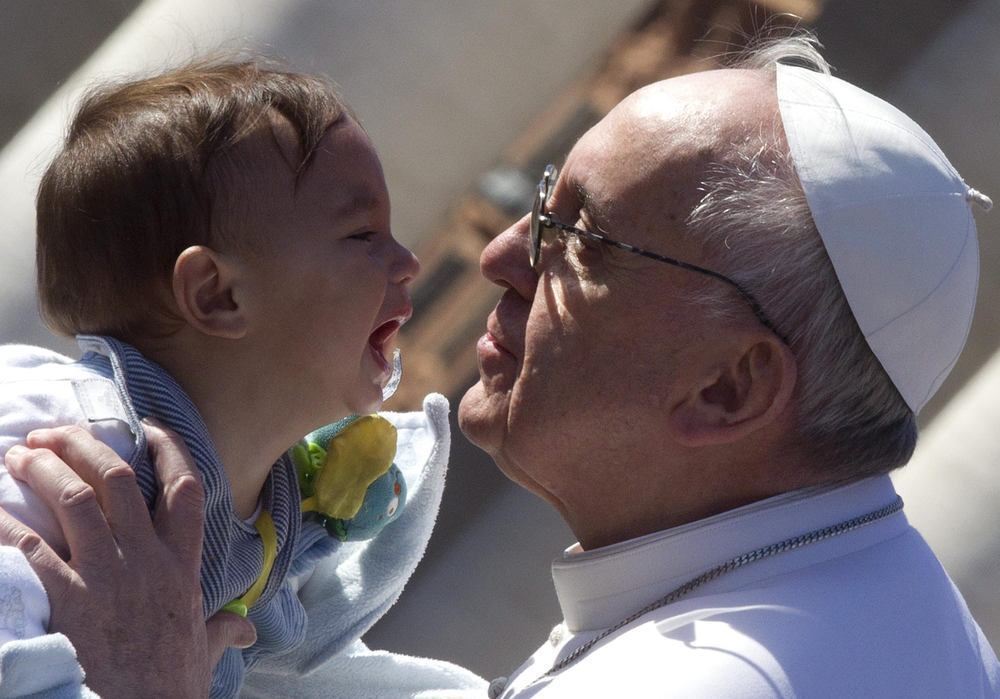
[355,458]
[269,538]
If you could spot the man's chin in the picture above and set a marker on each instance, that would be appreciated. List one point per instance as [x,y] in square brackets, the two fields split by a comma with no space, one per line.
[482,417]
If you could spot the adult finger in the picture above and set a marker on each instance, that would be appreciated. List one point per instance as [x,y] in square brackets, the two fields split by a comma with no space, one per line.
[228,630]
[180,507]
[100,467]
[54,572]
[73,501]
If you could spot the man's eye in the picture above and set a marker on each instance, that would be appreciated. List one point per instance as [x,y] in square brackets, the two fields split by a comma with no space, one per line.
[366,236]
[584,244]
[584,252]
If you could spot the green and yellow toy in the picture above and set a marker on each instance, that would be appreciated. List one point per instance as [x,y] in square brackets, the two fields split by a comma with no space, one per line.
[348,480]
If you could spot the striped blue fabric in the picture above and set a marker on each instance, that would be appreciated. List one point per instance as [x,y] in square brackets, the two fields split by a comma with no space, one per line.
[232,556]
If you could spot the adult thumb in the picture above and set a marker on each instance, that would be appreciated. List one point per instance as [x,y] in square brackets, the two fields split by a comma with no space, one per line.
[228,630]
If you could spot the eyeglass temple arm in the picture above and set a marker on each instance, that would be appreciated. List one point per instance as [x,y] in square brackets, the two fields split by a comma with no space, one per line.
[549,222]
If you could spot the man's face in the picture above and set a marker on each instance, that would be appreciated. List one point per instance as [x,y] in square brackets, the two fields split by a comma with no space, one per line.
[583,357]
[331,290]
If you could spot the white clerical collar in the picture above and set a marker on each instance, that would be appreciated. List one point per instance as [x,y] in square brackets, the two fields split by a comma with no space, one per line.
[596,588]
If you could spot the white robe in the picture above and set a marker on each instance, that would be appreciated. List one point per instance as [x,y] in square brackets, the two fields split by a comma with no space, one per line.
[867,613]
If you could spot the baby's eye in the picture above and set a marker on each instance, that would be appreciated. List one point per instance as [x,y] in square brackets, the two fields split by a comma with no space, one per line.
[365,236]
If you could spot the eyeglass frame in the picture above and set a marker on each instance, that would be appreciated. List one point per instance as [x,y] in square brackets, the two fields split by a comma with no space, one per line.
[541,218]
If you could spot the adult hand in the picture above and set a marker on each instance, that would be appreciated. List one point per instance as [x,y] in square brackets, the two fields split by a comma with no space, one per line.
[129,598]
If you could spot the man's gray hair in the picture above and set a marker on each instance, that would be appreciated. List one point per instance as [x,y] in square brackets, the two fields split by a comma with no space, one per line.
[756,222]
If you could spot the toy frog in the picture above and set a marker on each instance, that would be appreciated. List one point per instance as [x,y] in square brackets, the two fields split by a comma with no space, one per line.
[348,480]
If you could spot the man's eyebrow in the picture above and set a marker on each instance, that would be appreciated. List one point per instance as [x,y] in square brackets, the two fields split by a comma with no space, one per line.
[595,210]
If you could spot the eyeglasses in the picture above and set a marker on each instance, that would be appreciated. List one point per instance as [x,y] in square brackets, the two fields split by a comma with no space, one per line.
[542,218]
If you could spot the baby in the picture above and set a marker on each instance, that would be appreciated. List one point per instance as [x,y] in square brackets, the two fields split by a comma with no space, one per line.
[217,238]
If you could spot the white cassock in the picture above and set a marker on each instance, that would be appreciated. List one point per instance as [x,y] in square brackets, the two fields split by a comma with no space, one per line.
[868,612]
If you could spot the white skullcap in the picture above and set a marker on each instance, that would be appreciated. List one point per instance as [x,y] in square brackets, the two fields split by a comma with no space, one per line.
[896,221]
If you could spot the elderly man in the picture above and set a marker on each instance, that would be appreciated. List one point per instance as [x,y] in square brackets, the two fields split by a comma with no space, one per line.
[713,405]
[719,321]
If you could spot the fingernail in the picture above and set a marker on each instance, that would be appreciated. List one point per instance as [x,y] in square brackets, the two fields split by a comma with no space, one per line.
[12,459]
[247,640]
[151,421]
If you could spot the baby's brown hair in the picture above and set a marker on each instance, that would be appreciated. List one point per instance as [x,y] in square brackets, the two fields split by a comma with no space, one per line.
[137,177]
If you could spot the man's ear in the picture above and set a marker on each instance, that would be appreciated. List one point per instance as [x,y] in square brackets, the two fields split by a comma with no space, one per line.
[204,287]
[744,392]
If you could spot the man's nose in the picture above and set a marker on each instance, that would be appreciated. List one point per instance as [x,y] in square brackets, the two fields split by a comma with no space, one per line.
[405,265]
[505,260]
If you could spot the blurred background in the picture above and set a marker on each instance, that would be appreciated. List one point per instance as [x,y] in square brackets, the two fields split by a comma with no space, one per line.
[466,102]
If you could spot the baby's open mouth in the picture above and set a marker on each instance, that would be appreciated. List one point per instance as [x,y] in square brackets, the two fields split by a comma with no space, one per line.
[380,342]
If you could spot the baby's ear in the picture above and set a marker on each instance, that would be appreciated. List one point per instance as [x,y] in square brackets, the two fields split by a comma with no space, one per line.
[204,291]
